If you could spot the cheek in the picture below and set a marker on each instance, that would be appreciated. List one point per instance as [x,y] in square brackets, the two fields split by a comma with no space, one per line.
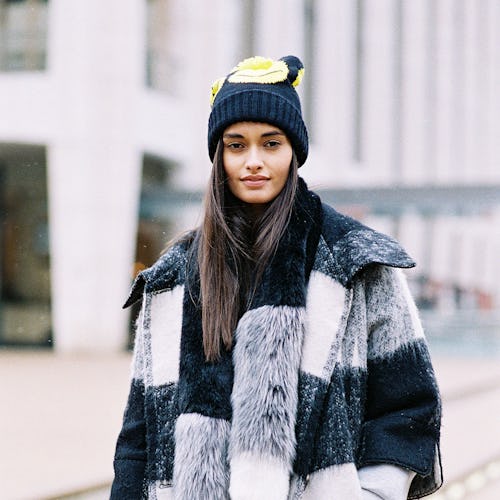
[229,166]
[284,167]
[283,178]
[232,176]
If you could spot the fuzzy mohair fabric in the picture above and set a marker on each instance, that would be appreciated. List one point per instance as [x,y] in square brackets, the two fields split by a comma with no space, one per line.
[329,374]
[201,466]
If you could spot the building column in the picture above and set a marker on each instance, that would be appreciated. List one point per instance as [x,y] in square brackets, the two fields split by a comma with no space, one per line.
[94,168]
[445,171]
[334,79]
[416,112]
[379,104]
[282,33]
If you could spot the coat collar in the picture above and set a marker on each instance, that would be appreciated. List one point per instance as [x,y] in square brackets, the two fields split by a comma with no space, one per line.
[351,245]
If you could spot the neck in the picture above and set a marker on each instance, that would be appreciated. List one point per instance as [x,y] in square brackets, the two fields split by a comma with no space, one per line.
[255,211]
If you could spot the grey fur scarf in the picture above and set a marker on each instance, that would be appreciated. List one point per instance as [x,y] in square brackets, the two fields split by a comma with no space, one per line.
[237,416]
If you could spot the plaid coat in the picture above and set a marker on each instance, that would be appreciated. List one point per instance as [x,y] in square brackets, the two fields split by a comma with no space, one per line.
[365,392]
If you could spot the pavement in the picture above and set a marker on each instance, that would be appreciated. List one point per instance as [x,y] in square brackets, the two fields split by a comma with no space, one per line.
[61,415]
[59,421]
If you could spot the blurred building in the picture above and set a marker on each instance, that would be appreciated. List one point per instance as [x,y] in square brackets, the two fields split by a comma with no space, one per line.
[102,140]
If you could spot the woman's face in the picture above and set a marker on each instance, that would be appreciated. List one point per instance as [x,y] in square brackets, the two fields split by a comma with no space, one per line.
[257,159]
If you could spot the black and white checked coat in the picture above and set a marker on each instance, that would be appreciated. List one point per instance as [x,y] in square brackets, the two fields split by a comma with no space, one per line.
[366,388]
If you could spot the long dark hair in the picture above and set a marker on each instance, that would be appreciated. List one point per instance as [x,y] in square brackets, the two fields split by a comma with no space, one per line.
[233,250]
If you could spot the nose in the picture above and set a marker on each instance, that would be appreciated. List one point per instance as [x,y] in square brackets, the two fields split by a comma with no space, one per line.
[254,160]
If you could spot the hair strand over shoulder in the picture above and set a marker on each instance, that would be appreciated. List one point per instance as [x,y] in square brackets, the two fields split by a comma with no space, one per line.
[233,251]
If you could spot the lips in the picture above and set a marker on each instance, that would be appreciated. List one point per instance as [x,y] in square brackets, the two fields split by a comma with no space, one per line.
[254,180]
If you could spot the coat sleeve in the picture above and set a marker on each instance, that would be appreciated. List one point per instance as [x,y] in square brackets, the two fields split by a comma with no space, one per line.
[130,455]
[403,410]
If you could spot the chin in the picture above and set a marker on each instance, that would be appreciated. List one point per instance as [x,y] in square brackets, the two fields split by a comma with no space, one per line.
[257,200]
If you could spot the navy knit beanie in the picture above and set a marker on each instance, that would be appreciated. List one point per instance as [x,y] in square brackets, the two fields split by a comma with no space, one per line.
[260,90]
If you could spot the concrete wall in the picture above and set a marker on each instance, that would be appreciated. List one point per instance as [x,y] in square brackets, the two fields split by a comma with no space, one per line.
[399,93]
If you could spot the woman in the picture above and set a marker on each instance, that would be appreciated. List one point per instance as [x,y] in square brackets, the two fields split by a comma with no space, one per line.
[278,352]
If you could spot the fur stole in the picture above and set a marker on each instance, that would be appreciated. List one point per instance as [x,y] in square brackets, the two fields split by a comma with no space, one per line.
[237,416]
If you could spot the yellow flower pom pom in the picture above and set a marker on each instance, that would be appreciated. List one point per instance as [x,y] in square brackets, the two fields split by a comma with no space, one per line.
[216,86]
[297,80]
[257,62]
[259,70]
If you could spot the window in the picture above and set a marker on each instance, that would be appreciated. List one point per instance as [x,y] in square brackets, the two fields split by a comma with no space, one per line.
[359,82]
[309,61]
[23,35]
[165,44]
[248,9]
[155,221]
[24,247]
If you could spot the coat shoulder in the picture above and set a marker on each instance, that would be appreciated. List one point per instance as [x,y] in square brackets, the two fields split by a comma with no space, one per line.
[353,246]
[166,273]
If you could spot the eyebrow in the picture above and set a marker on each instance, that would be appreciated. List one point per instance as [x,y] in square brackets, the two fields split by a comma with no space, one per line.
[265,134]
